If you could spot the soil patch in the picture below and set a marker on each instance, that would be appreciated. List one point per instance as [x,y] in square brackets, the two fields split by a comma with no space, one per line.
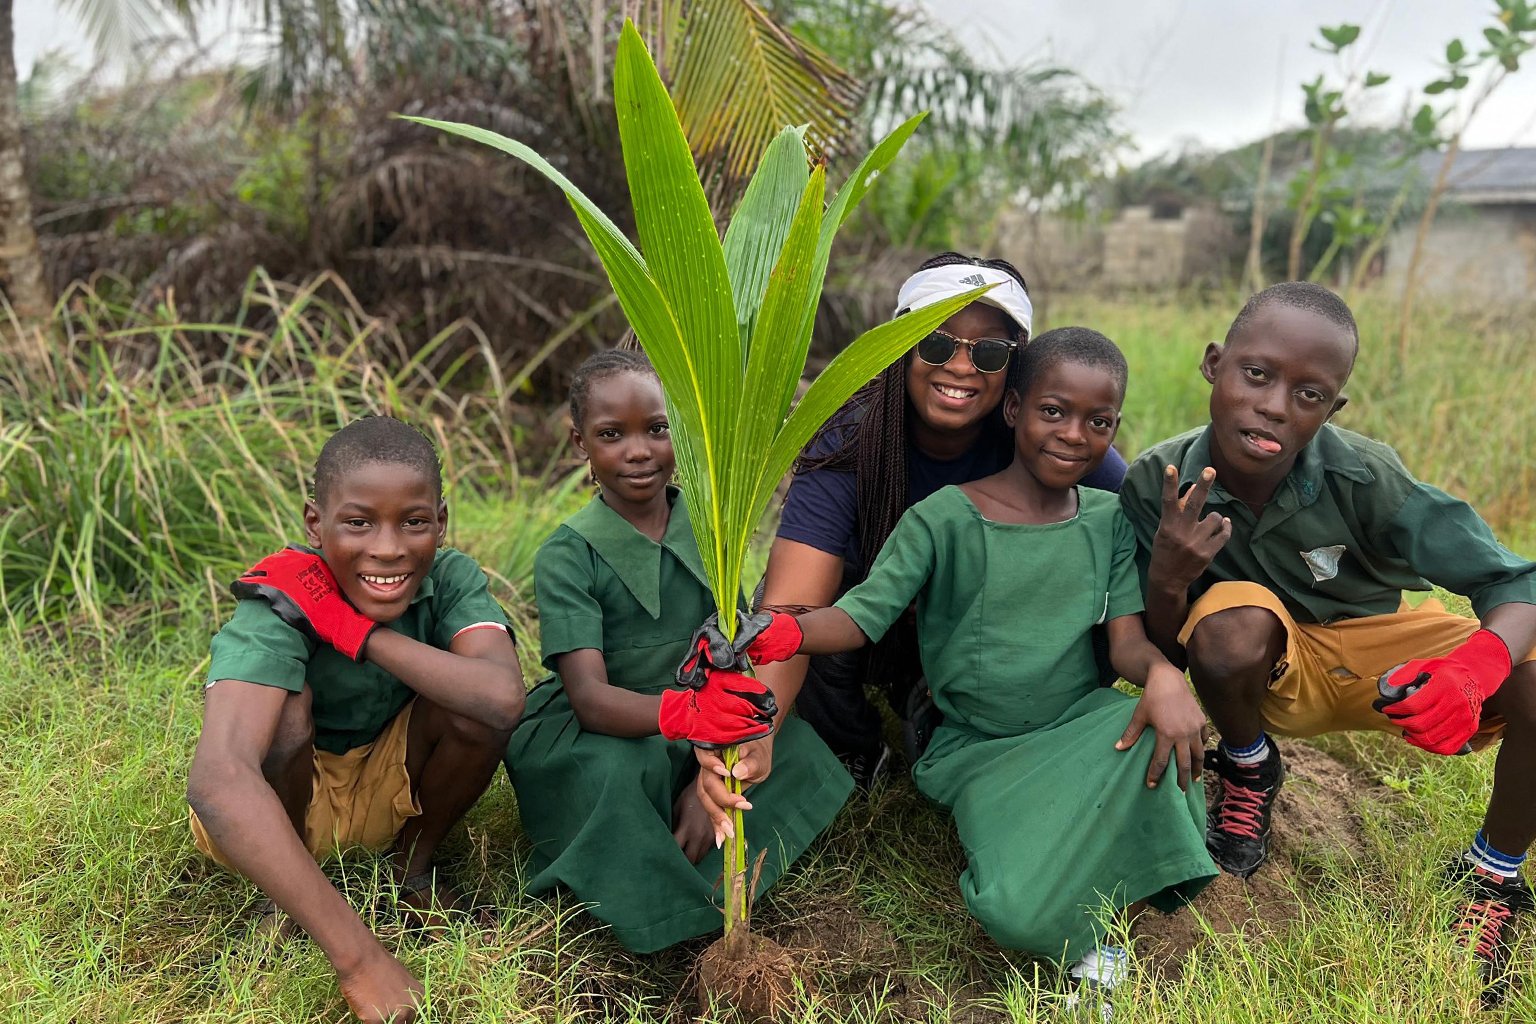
[1315,819]
[760,986]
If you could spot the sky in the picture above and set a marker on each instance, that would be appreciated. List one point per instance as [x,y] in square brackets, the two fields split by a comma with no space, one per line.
[1211,70]
[1215,73]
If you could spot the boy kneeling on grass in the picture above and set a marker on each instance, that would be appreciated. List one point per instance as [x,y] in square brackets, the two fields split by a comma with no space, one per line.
[361,695]
[1287,604]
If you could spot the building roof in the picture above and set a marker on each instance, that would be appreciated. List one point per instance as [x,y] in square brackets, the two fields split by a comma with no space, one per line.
[1481,176]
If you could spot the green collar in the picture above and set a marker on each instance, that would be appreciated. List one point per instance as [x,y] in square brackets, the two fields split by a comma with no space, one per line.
[635,558]
[424,591]
[1328,453]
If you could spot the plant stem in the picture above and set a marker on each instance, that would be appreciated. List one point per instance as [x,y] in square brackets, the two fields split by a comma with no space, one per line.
[1405,319]
[1304,212]
[1363,264]
[736,895]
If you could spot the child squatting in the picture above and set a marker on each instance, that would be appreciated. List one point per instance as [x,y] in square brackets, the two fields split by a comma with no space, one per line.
[962,508]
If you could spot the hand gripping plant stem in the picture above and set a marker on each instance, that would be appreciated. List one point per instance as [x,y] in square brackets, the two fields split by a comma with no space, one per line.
[728,325]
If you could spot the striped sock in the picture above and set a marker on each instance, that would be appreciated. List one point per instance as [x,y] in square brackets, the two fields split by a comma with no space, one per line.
[1255,753]
[1483,855]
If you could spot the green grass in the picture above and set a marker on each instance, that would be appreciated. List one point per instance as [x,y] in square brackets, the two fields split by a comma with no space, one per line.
[109,914]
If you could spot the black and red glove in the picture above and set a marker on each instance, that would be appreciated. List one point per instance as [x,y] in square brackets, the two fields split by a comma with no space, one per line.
[778,639]
[760,639]
[729,708]
[1439,701]
[303,593]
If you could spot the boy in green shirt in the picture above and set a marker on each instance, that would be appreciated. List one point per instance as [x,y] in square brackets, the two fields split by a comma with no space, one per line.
[1286,601]
[361,695]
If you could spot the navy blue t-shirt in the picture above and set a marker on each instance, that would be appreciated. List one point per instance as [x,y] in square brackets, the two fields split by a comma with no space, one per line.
[822,507]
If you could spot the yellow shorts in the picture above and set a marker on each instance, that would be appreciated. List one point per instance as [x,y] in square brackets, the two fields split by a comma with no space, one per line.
[360,798]
[1326,679]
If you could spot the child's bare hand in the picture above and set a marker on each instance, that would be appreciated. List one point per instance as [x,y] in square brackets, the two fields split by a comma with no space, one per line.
[754,763]
[382,991]
[1173,713]
[691,826]
[1185,543]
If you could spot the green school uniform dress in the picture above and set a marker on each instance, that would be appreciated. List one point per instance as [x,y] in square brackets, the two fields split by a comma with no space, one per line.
[353,700]
[598,808]
[1053,819]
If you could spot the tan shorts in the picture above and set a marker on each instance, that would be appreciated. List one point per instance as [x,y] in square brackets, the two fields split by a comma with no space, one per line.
[1326,679]
[360,798]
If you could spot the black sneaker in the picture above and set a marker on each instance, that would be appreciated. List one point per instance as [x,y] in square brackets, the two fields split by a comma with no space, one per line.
[870,767]
[1485,920]
[1237,827]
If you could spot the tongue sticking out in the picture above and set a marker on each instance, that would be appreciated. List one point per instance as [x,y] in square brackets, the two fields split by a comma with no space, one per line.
[1264,443]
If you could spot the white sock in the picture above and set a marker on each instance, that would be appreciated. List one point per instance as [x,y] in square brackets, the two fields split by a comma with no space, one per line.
[1248,756]
[1107,966]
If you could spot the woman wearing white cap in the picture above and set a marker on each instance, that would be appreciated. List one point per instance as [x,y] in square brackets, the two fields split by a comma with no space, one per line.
[931,419]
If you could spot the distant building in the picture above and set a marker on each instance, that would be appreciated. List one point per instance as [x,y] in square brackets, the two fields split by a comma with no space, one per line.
[1165,245]
[1482,244]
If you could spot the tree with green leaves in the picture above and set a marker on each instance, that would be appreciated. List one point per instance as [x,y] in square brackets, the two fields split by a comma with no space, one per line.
[1326,104]
[1510,37]
[728,325]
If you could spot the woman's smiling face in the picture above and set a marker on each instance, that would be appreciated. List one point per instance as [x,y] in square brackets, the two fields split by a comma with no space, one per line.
[956,397]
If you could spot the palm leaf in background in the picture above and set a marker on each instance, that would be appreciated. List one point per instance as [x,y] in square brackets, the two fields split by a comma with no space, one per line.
[738,78]
[728,326]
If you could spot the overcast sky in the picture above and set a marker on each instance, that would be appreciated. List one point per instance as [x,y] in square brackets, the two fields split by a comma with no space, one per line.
[1209,71]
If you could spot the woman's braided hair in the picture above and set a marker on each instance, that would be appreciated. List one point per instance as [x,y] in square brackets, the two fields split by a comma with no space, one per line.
[870,433]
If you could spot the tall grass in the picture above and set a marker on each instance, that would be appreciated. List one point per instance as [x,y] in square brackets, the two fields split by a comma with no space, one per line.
[140,454]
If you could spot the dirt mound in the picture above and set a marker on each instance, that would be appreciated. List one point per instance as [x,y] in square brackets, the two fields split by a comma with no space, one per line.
[1315,819]
[763,985]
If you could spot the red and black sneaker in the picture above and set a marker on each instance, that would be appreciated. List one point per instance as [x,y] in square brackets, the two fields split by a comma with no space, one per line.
[1237,827]
[1485,921]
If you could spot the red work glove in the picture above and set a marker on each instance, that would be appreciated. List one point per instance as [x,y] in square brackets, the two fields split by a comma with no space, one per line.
[729,708]
[303,593]
[779,640]
[1439,702]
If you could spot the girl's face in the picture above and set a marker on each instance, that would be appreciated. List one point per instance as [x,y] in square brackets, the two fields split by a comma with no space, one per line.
[956,396]
[626,437]
[1064,425]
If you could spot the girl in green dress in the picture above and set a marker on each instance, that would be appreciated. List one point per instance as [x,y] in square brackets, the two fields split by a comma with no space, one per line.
[604,773]
[1055,785]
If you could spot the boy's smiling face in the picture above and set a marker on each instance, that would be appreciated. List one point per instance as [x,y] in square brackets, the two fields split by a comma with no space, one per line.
[1064,424]
[1272,389]
[378,527]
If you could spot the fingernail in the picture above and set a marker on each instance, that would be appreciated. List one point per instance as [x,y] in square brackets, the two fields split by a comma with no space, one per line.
[720,771]
[745,805]
[740,771]
[719,840]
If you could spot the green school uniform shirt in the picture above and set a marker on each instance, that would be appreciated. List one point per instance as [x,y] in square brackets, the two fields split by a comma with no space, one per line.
[599,583]
[1348,530]
[1004,639]
[353,701]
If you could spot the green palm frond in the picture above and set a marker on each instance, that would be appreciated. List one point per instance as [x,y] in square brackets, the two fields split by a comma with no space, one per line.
[728,326]
[738,78]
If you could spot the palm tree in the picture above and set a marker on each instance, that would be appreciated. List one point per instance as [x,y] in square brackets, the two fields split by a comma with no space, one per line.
[115,27]
[21,264]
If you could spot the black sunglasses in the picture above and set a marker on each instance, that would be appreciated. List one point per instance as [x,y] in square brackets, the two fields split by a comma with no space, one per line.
[988,355]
